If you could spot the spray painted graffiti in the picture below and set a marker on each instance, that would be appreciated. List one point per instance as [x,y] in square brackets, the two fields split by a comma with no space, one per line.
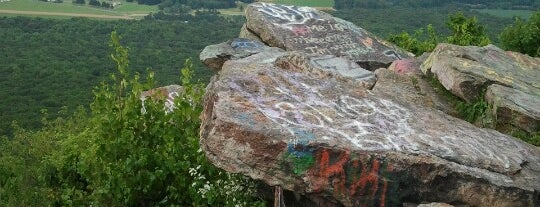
[245,43]
[296,105]
[300,30]
[169,102]
[365,180]
[167,94]
[365,117]
[288,15]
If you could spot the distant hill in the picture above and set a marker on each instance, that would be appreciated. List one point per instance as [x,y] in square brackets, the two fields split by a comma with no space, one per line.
[475,4]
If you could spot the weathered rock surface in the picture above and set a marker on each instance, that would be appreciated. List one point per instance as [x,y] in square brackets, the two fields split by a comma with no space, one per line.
[465,70]
[329,66]
[514,109]
[306,29]
[468,71]
[404,81]
[215,55]
[275,117]
[245,33]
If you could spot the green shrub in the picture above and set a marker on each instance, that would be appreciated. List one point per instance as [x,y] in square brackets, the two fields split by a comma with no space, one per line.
[130,156]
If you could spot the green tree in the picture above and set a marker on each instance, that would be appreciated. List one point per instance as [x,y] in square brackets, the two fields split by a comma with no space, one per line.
[135,153]
[417,43]
[466,31]
[523,36]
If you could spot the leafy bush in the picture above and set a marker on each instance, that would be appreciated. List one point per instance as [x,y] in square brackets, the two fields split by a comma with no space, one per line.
[523,36]
[413,43]
[126,152]
[135,155]
[464,31]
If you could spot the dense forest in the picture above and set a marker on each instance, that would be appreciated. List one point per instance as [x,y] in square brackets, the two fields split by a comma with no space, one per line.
[410,19]
[50,64]
[477,4]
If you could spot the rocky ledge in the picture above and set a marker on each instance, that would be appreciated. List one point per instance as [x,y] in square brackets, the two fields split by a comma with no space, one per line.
[320,123]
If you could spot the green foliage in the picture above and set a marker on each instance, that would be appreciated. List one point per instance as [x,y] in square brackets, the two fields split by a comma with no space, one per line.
[24,173]
[135,153]
[405,19]
[471,112]
[523,36]
[412,43]
[49,63]
[125,153]
[533,138]
[466,31]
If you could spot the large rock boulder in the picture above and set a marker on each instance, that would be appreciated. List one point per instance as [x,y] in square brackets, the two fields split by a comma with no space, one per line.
[311,31]
[281,119]
[469,72]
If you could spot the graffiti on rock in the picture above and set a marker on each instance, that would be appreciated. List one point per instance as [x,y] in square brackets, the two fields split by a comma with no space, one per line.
[367,118]
[243,43]
[364,179]
[288,15]
[309,109]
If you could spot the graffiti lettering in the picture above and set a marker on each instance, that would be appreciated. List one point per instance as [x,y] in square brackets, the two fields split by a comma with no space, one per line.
[288,15]
[363,179]
[245,43]
[294,102]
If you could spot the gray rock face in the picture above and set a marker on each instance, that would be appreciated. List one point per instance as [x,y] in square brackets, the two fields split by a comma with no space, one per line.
[512,81]
[514,109]
[245,33]
[272,117]
[404,81]
[464,70]
[306,29]
[215,55]
[329,66]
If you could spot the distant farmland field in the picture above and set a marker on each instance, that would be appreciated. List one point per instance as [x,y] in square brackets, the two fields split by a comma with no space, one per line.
[67,7]
[524,14]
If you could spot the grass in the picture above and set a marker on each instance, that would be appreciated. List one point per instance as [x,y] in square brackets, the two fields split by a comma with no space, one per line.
[311,3]
[68,7]
[231,11]
[524,14]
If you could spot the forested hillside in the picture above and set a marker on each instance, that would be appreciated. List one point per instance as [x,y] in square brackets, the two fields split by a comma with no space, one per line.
[49,63]
[409,19]
[479,4]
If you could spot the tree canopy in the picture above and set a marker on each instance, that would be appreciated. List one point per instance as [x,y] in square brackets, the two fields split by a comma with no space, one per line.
[523,36]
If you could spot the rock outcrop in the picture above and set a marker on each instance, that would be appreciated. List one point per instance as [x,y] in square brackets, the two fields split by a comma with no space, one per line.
[317,123]
[315,32]
[512,81]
